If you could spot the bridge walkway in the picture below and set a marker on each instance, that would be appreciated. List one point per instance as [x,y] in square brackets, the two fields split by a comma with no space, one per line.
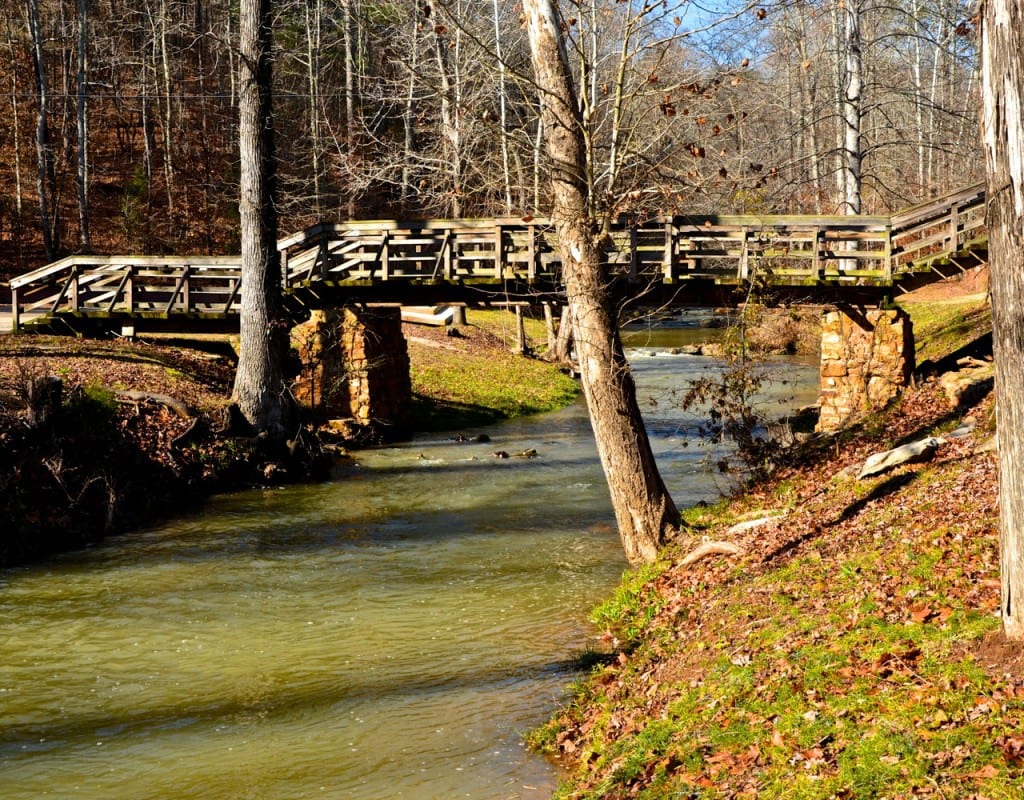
[498,260]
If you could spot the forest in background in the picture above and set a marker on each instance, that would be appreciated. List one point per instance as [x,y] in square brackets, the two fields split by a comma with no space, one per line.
[121,129]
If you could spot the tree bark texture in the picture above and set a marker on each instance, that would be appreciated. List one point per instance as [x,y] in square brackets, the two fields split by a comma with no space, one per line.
[644,511]
[1003,138]
[259,381]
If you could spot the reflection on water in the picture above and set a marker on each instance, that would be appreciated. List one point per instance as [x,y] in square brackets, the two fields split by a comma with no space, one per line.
[387,634]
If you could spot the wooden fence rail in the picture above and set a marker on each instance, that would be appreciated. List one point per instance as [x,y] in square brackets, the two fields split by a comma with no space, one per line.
[790,250]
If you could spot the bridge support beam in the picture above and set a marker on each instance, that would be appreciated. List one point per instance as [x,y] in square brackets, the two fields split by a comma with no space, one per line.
[355,369]
[867,359]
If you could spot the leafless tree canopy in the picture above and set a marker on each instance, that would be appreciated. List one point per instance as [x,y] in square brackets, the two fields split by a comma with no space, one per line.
[122,132]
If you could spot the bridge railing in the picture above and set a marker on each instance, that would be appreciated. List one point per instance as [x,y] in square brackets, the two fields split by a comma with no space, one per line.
[946,225]
[731,248]
[728,249]
[724,248]
[428,251]
[135,286]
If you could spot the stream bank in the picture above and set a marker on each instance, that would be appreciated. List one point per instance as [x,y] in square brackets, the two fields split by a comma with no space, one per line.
[109,463]
[845,643]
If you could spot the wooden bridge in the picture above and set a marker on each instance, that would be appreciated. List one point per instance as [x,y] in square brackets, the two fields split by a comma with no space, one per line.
[480,261]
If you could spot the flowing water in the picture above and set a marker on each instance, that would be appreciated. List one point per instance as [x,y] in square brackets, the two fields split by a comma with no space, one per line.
[390,633]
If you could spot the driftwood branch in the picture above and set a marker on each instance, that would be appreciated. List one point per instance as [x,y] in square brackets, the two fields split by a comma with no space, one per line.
[173,404]
[710,549]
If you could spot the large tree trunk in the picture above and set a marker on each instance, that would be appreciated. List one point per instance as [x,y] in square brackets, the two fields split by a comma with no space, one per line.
[258,389]
[1003,135]
[644,510]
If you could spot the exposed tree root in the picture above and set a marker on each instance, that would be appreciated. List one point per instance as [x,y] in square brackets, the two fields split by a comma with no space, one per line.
[706,549]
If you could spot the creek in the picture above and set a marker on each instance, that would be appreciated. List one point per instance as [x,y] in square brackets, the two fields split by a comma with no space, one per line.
[390,633]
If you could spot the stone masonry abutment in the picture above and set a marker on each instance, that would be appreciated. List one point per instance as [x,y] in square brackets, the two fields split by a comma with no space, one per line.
[867,359]
[355,369]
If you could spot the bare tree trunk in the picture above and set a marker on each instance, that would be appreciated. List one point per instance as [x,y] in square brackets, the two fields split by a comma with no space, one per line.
[808,113]
[82,83]
[645,513]
[409,115]
[538,149]
[1002,68]
[314,17]
[259,383]
[451,113]
[45,179]
[15,119]
[503,110]
[349,38]
[852,85]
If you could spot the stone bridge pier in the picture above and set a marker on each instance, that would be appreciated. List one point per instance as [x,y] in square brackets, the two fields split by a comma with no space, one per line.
[867,359]
[355,371]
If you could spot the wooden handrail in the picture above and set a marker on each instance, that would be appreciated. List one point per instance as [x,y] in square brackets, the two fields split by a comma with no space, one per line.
[801,249]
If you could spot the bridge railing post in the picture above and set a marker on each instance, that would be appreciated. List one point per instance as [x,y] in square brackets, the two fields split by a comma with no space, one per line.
[744,265]
[633,257]
[129,290]
[323,257]
[73,288]
[499,254]
[816,263]
[667,258]
[888,248]
[531,252]
[15,311]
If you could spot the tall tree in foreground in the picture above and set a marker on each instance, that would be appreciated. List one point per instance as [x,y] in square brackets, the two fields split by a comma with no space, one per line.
[1002,68]
[644,510]
[259,381]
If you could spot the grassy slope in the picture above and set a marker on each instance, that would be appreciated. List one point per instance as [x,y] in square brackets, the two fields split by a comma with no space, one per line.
[851,651]
[475,379]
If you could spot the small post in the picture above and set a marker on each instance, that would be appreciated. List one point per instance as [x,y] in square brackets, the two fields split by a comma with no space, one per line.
[549,325]
[15,311]
[521,347]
